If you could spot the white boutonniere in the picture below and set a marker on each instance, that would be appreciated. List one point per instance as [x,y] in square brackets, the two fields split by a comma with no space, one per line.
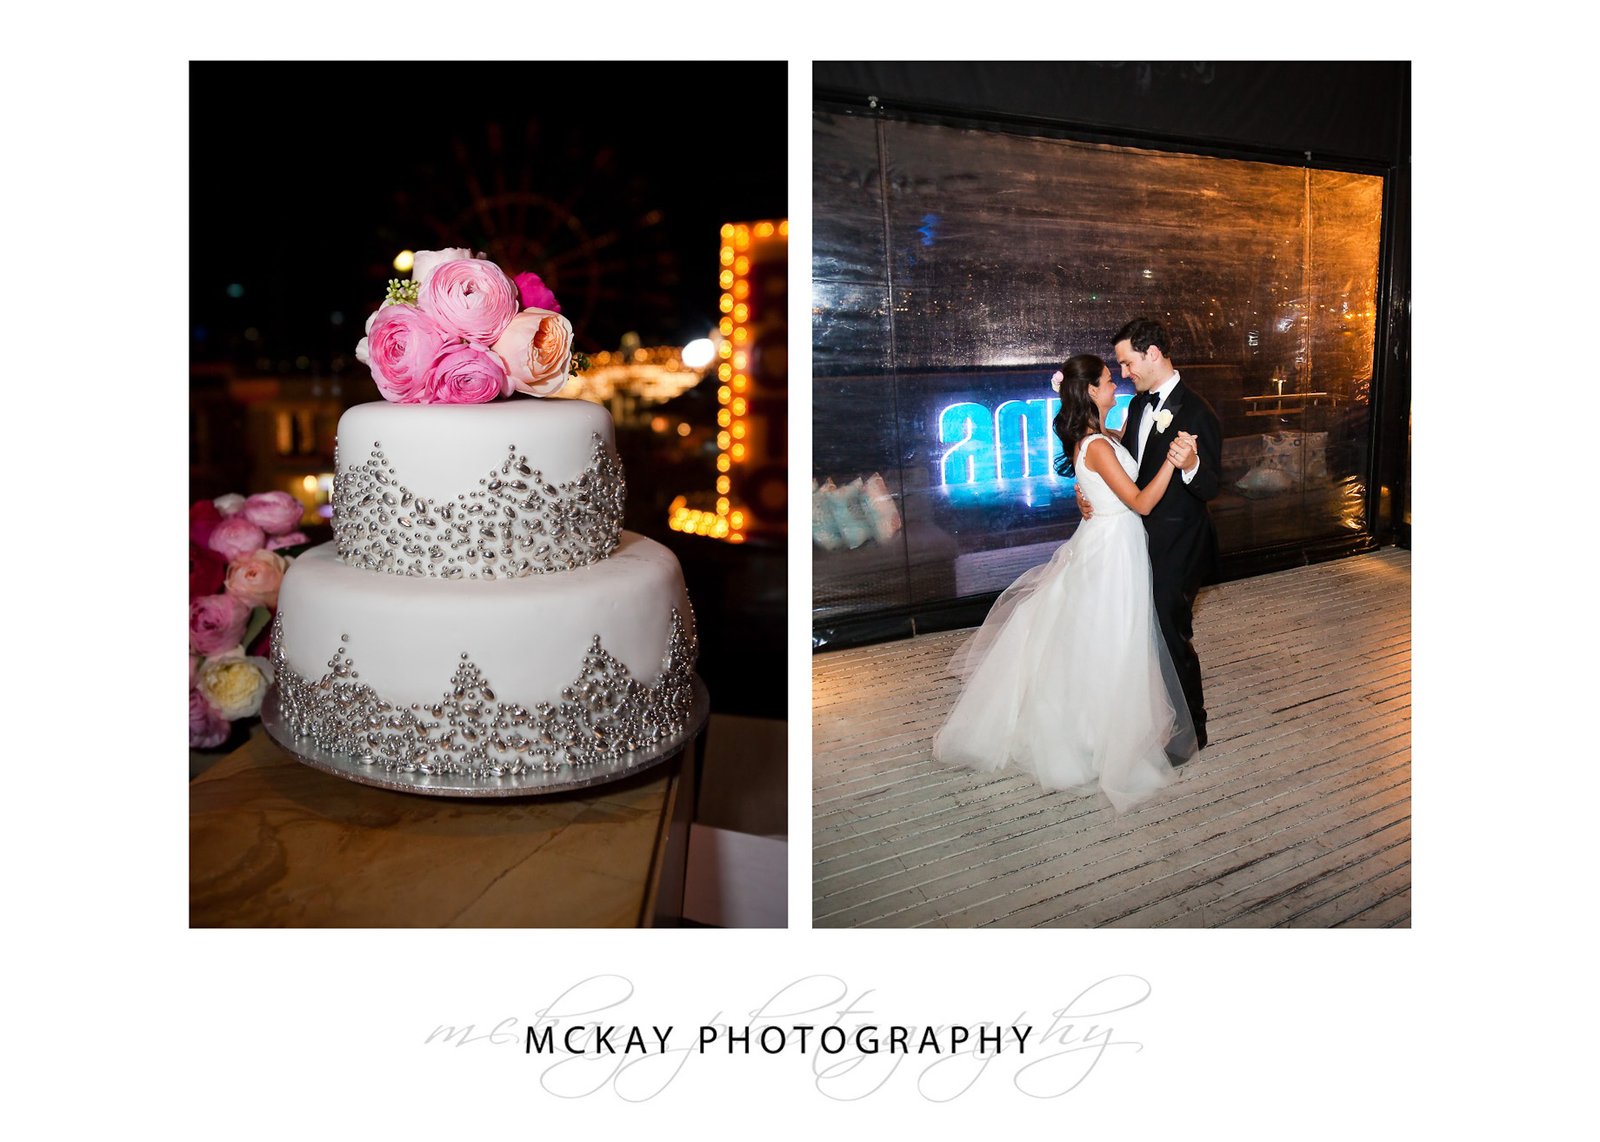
[1055,380]
[1163,418]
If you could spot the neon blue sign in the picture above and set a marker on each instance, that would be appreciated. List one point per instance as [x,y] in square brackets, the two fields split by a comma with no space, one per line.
[1014,441]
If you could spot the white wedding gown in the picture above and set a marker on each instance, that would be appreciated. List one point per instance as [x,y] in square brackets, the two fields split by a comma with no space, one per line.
[1068,678]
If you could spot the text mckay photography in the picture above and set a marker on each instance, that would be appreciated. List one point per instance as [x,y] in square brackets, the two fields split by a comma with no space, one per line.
[600,1037]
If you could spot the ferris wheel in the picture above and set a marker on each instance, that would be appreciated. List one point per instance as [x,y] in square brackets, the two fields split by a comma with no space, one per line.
[601,246]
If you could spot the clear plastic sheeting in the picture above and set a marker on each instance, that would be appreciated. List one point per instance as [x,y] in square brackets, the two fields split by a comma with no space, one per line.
[954,269]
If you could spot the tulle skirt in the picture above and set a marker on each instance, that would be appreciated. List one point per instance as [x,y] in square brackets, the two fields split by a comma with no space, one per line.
[1069,679]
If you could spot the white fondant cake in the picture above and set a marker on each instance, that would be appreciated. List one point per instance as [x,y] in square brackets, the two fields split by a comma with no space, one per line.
[485,491]
[473,617]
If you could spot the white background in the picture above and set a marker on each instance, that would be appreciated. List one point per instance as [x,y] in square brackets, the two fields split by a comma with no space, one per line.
[121,1017]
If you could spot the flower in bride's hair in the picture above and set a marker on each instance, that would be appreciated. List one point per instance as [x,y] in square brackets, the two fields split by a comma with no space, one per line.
[1055,380]
[1163,418]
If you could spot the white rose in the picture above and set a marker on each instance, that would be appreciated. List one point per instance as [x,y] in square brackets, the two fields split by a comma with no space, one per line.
[1163,418]
[235,684]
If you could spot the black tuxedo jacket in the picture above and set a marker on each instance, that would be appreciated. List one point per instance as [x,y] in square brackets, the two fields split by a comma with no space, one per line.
[1183,541]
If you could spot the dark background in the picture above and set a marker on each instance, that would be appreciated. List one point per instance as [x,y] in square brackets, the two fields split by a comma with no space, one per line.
[610,180]
[1349,110]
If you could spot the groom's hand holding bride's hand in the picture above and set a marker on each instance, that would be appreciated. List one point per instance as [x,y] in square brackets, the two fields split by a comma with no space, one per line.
[1182,450]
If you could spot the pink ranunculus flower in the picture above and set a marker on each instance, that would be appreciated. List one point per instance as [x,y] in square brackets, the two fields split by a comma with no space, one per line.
[466,374]
[471,298]
[424,262]
[401,344]
[216,622]
[234,684]
[291,539]
[254,579]
[207,728]
[535,294]
[236,536]
[230,504]
[273,512]
[537,350]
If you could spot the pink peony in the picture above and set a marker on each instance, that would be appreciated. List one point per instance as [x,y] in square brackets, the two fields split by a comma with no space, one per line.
[467,375]
[236,536]
[206,570]
[207,728]
[292,539]
[273,512]
[424,262]
[471,298]
[253,579]
[216,622]
[535,294]
[537,350]
[401,343]
[203,519]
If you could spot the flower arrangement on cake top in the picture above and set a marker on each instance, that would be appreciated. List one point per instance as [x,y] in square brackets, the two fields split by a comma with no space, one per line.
[462,332]
[235,568]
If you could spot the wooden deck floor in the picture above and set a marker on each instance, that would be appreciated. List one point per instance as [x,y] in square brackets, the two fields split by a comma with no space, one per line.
[1298,813]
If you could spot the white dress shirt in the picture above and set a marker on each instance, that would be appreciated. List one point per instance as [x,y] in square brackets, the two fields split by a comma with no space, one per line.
[1147,425]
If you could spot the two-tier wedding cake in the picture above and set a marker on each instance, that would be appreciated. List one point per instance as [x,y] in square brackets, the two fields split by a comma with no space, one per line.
[480,611]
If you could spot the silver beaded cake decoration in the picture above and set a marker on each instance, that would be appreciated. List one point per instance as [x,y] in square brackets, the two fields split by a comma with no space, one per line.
[603,715]
[515,523]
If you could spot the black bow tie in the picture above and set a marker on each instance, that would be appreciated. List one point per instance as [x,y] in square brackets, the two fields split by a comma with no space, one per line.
[1152,399]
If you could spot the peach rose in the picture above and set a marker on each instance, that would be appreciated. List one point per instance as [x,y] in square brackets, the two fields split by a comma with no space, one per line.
[253,579]
[537,350]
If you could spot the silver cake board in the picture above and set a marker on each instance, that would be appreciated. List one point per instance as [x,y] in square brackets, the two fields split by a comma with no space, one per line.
[564,779]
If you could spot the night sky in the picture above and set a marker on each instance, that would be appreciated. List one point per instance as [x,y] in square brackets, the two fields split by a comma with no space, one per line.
[609,180]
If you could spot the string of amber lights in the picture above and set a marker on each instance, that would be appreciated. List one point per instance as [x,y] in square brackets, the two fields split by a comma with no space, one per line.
[728,520]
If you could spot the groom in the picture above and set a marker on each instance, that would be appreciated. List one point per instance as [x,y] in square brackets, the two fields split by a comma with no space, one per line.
[1183,542]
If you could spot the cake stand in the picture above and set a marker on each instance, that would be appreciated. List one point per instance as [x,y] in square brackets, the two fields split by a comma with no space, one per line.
[562,780]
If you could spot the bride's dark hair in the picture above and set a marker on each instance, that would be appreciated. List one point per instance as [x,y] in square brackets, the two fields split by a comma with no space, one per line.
[1079,415]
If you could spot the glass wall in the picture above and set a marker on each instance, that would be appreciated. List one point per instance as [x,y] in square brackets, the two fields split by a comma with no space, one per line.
[954,269]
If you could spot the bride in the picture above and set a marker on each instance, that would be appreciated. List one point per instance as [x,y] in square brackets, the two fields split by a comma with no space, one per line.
[1068,677]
